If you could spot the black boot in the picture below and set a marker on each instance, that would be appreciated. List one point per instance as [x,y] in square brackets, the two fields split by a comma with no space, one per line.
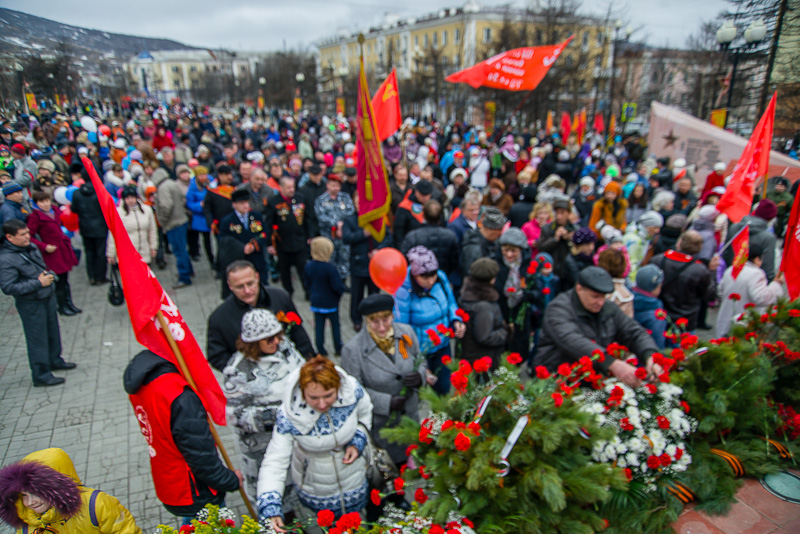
[64,310]
[69,302]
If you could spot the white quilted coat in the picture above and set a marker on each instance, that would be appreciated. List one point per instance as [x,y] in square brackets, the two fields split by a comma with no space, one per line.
[303,437]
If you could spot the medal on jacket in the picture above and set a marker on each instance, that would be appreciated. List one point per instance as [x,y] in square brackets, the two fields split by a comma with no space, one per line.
[255,227]
[236,228]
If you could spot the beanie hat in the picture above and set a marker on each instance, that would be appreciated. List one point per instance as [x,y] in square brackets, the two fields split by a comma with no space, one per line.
[651,218]
[200,169]
[583,235]
[422,260]
[587,181]
[130,191]
[610,234]
[614,187]
[18,148]
[11,187]
[321,248]
[484,269]
[47,165]
[766,210]
[707,213]
[513,237]
[542,258]
[259,324]
[493,218]
[649,277]
[719,166]
[181,168]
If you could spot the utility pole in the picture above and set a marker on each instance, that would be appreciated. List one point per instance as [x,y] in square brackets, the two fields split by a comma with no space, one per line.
[773,51]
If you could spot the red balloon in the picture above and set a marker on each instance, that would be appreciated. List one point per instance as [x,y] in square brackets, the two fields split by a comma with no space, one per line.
[104,129]
[69,220]
[387,268]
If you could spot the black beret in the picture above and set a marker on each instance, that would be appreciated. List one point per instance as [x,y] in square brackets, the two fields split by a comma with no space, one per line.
[376,303]
[315,169]
[239,195]
[596,279]
[424,187]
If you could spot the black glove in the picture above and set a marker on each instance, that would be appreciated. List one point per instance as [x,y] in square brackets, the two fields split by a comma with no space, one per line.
[398,403]
[412,380]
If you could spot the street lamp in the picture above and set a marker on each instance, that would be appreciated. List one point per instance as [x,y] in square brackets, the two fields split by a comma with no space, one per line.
[19,68]
[615,43]
[299,78]
[754,34]
[260,104]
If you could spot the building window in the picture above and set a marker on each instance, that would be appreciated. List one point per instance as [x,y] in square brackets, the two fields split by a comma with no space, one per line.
[600,38]
[444,38]
[457,60]
[585,39]
[174,69]
[425,41]
[457,36]
[243,68]
[416,40]
[435,38]
[193,68]
[598,62]
[215,68]
[487,35]
[176,84]
[444,61]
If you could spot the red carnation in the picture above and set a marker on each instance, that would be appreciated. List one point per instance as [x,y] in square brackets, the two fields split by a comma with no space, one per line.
[678,454]
[459,381]
[411,448]
[434,337]
[424,474]
[750,305]
[542,372]
[628,473]
[482,365]
[464,367]
[685,406]
[375,497]
[558,399]
[678,354]
[325,518]
[514,358]
[661,314]
[398,485]
[447,425]
[564,369]
[436,529]
[548,265]
[187,528]
[546,291]
[664,378]
[463,315]
[425,434]
[651,388]
[420,496]
[735,296]
[230,523]
[462,442]
[532,267]
[682,322]
[293,318]
[474,428]
[794,313]
[598,355]
[653,462]
[446,359]
[441,328]
[665,460]
[625,424]
[663,422]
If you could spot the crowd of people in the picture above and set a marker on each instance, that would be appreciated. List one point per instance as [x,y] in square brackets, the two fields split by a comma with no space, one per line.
[518,241]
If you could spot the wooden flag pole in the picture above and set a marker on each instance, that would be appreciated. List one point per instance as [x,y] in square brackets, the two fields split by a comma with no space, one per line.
[188,376]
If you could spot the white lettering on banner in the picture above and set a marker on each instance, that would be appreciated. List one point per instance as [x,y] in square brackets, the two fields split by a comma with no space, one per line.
[549,60]
[511,70]
[797,234]
[147,430]
[520,63]
[177,331]
[169,307]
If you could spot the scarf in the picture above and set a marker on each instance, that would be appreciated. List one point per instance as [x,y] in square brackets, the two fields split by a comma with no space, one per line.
[514,281]
[386,343]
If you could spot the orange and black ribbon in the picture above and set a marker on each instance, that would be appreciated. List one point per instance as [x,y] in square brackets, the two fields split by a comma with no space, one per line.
[734,462]
[680,491]
[783,452]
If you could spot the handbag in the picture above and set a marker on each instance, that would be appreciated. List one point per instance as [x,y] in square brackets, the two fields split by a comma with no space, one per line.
[115,295]
[381,470]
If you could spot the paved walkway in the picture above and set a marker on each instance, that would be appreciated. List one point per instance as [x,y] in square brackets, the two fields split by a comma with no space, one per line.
[90,416]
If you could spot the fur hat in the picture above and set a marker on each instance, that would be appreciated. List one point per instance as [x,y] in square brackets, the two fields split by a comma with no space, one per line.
[422,260]
[61,491]
[259,324]
[484,269]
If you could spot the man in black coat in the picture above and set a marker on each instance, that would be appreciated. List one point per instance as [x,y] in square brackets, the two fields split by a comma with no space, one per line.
[217,204]
[521,210]
[242,236]
[581,320]
[557,236]
[362,246]
[94,232]
[192,444]
[24,275]
[225,323]
[439,240]
[288,232]
[409,212]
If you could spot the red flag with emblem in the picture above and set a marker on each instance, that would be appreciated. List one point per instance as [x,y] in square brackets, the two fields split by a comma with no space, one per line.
[753,163]
[386,106]
[374,195]
[741,250]
[790,264]
[145,298]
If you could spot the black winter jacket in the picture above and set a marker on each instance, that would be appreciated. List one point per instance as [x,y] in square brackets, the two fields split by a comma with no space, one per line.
[361,245]
[569,332]
[474,246]
[760,234]
[559,249]
[19,272]
[190,431]
[90,216]
[292,219]
[225,325]
[686,285]
[486,335]
[441,241]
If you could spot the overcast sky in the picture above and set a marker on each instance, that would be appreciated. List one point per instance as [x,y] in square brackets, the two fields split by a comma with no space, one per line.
[268,24]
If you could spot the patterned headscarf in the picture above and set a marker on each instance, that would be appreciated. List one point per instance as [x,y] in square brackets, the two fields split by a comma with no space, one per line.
[422,260]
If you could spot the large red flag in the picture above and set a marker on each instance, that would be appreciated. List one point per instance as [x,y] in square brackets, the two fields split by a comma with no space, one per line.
[741,250]
[599,126]
[374,195]
[520,69]
[386,106]
[753,163]
[566,126]
[146,297]
[790,264]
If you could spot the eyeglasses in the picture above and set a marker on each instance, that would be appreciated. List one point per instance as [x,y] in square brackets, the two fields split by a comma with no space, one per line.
[274,339]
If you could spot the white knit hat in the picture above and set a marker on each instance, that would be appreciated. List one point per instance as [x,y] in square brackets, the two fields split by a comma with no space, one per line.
[259,324]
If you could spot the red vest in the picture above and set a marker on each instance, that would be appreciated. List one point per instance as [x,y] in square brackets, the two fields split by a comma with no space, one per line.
[152,406]
[409,206]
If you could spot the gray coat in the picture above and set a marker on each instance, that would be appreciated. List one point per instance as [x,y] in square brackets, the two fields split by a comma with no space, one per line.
[381,375]
[19,272]
[170,201]
[569,332]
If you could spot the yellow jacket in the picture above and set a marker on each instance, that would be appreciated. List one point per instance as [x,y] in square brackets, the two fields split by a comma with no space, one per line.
[111,516]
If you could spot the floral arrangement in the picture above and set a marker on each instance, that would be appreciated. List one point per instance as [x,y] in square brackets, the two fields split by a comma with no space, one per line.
[215,520]
[651,423]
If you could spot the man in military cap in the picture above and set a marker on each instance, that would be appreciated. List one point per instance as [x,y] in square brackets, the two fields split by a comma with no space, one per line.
[288,231]
[242,236]
[581,320]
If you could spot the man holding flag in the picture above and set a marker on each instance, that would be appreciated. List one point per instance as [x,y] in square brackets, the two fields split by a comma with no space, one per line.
[759,235]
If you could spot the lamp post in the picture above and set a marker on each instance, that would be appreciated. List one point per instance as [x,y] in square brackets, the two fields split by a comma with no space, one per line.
[725,36]
[261,104]
[19,68]
[299,78]
[615,43]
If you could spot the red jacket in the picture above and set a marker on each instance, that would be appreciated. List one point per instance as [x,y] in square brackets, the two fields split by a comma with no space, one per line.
[46,230]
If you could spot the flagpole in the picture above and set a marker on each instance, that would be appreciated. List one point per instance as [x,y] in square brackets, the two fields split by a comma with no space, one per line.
[742,229]
[188,376]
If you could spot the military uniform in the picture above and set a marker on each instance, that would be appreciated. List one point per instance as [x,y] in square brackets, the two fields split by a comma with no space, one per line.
[329,213]
[288,230]
[234,235]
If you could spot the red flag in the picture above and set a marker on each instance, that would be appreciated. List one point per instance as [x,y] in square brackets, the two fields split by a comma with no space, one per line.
[790,264]
[598,125]
[582,125]
[386,107]
[520,69]
[145,297]
[566,126]
[548,129]
[741,250]
[374,195]
[753,163]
